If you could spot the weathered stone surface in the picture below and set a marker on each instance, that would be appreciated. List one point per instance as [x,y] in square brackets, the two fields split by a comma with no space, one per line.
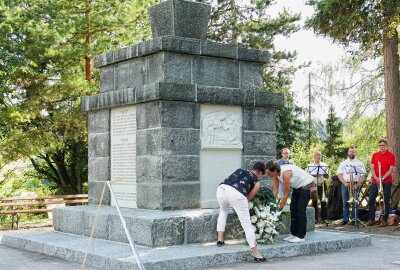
[180,168]
[182,195]
[168,141]
[259,143]
[98,168]
[268,99]
[68,223]
[101,224]
[149,47]
[149,196]
[130,73]
[259,118]
[224,96]
[155,68]
[149,169]
[95,191]
[252,55]
[99,121]
[168,231]
[215,72]
[177,68]
[107,79]
[121,54]
[181,45]
[180,18]
[219,50]
[99,144]
[251,75]
[250,160]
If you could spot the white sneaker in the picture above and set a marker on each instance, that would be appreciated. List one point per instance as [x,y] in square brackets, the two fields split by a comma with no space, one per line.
[288,238]
[295,239]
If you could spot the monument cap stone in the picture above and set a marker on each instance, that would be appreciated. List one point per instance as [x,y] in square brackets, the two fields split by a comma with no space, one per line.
[180,18]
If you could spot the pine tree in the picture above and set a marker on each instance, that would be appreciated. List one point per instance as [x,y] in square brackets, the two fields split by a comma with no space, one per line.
[334,129]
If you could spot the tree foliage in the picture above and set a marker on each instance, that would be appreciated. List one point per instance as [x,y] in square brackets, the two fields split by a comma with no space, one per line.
[334,129]
[46,49]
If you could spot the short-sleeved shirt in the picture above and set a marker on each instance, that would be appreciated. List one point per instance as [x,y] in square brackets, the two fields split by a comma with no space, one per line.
[387,159]
[318,173]
[299,178]
[352,167]
[283,162]
[242,180]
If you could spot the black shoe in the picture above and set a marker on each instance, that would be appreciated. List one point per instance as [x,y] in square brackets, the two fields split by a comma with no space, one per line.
[345,223]
[220,243]
[259,259]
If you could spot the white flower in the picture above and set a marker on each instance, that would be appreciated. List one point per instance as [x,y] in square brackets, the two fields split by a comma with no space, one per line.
[257,236]
[253,219]
[260,224]
[263,214]
[251,205]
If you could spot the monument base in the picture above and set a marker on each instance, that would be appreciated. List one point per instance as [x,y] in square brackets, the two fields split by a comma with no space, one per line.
[154,228]
[103,254]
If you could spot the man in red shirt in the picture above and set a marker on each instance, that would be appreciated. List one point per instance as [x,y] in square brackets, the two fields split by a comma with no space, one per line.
[387,161]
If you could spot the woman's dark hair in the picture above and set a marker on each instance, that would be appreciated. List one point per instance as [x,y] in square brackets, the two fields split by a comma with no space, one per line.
[272,166]
[260,167]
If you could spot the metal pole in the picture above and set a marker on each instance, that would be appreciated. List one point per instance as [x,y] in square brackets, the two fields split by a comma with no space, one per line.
[131,243]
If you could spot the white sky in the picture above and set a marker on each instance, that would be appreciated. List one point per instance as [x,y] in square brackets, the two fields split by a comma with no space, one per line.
[309,47]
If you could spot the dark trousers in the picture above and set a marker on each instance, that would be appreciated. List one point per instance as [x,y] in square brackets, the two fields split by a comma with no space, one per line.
[373,193]
[298,212]
[324,212]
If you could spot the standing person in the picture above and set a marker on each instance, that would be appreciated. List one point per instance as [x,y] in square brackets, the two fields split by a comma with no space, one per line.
[237,190]
[319,170]
[351,166]
[387,161]
[301,182]
[284,161]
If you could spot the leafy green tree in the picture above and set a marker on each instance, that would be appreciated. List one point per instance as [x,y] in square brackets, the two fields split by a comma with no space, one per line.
[373,25]
[46,49]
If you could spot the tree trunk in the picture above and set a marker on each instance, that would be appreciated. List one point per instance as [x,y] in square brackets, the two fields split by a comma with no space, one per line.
[392,94]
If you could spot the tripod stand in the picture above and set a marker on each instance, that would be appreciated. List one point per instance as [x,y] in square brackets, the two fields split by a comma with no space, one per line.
[352,170]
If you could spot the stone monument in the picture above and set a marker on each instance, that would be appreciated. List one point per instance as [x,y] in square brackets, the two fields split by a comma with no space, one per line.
[175,115]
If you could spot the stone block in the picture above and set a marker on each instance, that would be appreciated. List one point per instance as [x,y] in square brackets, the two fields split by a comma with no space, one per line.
[182,195]
[310,221]
[107,79]
[259,143]
[99,144]
[149,169]
[149,196]
[139,229]
[181,45]
[133,51]
[155,68]
[149,46]
[180,168]
[264,98]
[252,55]
[249,160]
[95,191]
[68,223]
[148,115]
[101,229]
[201,228]
[177,68]
[180,114]
[251,75]
[225,96]
[100,60]
[110,57]
[130,73]
[259,118]
[121,54]
[99,121]
[98,168]
[177,92]
[180,18]
[215,72]
[150,142]
[219,49]
[168,231]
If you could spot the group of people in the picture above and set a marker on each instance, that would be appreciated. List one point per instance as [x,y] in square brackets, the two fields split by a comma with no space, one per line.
[291,181]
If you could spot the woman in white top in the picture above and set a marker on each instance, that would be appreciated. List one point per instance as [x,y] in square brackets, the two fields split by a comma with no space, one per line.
[300,181]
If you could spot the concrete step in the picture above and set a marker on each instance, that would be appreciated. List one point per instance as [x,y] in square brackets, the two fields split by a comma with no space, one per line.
[105,254]
[153,228]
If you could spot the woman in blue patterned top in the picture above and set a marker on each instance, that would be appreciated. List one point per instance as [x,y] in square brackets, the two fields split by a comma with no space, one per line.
[236,191]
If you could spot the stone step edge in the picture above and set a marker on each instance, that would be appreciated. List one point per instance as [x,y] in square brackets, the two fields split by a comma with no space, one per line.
[226,255]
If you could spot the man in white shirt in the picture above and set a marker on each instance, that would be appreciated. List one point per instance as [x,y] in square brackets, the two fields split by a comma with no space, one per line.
[355,169]
[319,170]
[301,182]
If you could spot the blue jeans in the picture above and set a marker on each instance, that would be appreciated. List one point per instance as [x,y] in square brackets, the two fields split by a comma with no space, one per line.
[373,193]
[345,198]
[298,212]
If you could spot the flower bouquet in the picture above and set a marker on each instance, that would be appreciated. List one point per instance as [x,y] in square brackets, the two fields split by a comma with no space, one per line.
[265,215]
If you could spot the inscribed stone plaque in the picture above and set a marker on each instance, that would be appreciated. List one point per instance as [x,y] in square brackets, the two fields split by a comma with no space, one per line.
[123,155]
[221,148]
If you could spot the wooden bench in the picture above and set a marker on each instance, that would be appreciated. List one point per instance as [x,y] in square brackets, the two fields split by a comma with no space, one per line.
[33,205]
